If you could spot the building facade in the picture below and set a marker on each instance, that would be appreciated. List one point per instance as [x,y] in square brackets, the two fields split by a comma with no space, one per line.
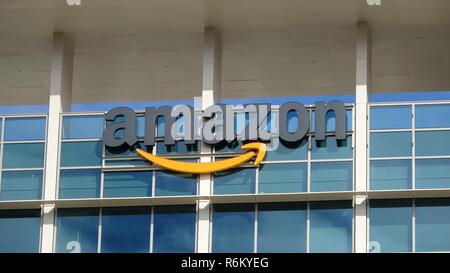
[385,188]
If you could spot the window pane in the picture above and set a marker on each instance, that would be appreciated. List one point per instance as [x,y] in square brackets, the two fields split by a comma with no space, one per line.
[25,128]
[432,224]
[79,184]
[241,180]
[174,229]
[179,147]
[126,151]
[290,236]
[82,127]
[127,184]
[233,228]
[432,143]
[390,117]
[390,174]
[20,231]
[433,116]
[29,155]
[287,151]
[331,176]
[288,177]
[126,230]
[232,147]
[331,226]
[331,148]
[21,185]
[331,121]
[432,173]
[81,154]
[390,144]
[77,230]
[170,184]
[390,225]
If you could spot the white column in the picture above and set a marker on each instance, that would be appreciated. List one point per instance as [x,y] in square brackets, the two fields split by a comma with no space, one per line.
[210,94]
[60,100]
[362,76]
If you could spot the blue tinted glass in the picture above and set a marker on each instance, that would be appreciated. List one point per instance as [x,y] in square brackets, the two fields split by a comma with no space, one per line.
[79,184]
[127,184]
[26,155]
[174,229]
[331,176]
[432,224]
[25,128]
[432,143]
[21,185]
[233,228]
[331,226]
[180,147]
[232,147]
[332,148]
[390,174]
[82,127]
[171,184]
[288,177]
[390,117]
[287,151]
[390,226]
[127,151]
[77,230]
[127,163]
[125,230]
[390,144]
[74,154]
[20,231]
[290,236]
[432,173]
[140,126]
[235,181]
[433,116]
[331,121]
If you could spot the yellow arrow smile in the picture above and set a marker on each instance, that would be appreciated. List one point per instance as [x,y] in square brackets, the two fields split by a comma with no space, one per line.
[209,167]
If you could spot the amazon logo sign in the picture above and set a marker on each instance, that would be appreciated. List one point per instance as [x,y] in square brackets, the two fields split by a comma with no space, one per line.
[218,124]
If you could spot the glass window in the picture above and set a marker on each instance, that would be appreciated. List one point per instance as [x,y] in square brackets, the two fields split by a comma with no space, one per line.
[432,143]
[25,128]
[277,150]
[390,144]
[126,151]
[232,147]
[82,127]
[331,226]
[390,225]
[171,184]
[432,224]
[331,121]
[233,228]
[127,184]
[21,185]
[86,153]
[432,173]
[180,147]
[125,230]
[290,236]
[390,117]
[23,155]
[20,231]
[332,148]
[235,181]
[433,116]
[286,177]
[390,174]
[331,176]
[174,229]
[79,184]
[77,230]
